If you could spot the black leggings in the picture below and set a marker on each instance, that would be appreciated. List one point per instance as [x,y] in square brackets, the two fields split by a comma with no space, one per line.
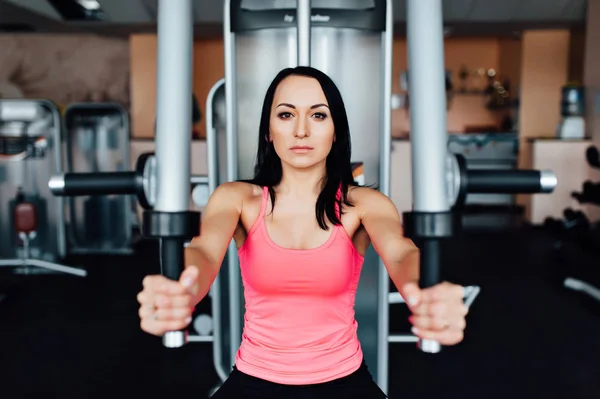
[358,385]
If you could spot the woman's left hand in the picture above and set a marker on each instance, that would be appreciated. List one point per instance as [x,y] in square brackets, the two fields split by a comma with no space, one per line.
[438,312]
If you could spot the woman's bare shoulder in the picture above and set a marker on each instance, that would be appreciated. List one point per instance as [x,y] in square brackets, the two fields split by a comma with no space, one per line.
[361,194]
[367,198]
[242,190]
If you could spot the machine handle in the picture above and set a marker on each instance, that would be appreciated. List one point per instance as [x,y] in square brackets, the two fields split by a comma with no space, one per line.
[172,259]
[430,275]
[74,184]
[510,181]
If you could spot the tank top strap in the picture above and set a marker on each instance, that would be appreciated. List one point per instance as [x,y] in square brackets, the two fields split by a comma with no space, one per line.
[264,202]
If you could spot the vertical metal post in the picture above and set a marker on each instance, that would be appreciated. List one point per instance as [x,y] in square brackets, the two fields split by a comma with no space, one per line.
[235,295]
[173,128]
[60,201]
[212,155]
[303,26]
[383,305]
[428,126]
[173,105]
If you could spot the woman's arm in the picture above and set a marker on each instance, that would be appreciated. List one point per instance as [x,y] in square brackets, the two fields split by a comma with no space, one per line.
[381,221]
[438,312]
[219,222]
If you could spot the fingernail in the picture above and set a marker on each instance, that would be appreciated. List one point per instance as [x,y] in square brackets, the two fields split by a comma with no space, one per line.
[415,330]
[189,319]
[412,300]
[188,281]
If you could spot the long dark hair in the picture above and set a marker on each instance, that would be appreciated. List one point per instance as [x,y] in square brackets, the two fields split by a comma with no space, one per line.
[268,171]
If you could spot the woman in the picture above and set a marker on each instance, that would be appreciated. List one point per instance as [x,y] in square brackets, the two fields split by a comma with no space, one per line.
[302,227]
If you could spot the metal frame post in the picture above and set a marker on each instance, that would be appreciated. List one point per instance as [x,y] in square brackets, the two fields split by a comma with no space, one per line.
[383,308]
[234,277]
[303,14]
[173,130]
[428,128]
[212,153]
[173,105]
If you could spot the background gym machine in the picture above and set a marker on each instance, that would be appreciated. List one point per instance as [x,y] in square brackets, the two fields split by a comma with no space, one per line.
[161,183]
[31,221]
[330,35]
[440,182]
[96,139]
[285,34]
[331,39]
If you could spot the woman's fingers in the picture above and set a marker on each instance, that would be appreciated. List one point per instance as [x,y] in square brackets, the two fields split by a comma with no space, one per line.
[159,327]
[449,336]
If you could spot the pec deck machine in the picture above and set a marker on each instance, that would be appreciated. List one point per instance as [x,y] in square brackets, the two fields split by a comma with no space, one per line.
[351,41]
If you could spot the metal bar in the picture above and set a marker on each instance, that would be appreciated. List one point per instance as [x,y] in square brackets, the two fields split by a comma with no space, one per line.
[510,181]
[212,141]
[200,338]
[60,202]
[232,175]
[428,136]
[173,129]
[427,105]
[199,179]
[384,186]
[173,105]
[582,286]
[303,14]
[56,267]
[470,293]
[212,151]
[402,338]
[95,183]
[20,262]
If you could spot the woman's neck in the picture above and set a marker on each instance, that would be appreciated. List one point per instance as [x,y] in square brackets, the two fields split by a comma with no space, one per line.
[302,182]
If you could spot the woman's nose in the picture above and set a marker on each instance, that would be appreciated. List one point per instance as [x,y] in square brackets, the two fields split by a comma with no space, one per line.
[301,128]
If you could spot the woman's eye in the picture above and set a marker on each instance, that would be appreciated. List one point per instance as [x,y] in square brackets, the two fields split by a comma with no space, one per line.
[320,115]
[285,115]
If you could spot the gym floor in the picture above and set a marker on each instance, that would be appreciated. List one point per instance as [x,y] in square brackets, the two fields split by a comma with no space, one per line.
[527,337]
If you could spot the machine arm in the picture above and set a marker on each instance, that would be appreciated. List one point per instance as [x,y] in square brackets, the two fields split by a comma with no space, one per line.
[172,229]
[75,184]
[510,181]
[462,181]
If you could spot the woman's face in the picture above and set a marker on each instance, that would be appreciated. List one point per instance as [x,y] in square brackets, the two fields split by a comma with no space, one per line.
[301,127]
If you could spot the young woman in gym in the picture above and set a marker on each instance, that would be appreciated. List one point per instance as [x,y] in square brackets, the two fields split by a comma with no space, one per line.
[302,227]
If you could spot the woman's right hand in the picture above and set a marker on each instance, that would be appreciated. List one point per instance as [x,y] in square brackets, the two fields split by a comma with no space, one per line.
[167,305]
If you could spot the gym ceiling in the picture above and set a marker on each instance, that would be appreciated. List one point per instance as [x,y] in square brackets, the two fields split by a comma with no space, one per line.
[123,17]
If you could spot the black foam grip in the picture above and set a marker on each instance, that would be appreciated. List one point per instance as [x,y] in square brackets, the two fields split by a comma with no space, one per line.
[503,181]
[430,263]
[172,257]
[100,183]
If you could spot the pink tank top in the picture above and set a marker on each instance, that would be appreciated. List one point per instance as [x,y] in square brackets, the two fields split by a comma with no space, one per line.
[299,325]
